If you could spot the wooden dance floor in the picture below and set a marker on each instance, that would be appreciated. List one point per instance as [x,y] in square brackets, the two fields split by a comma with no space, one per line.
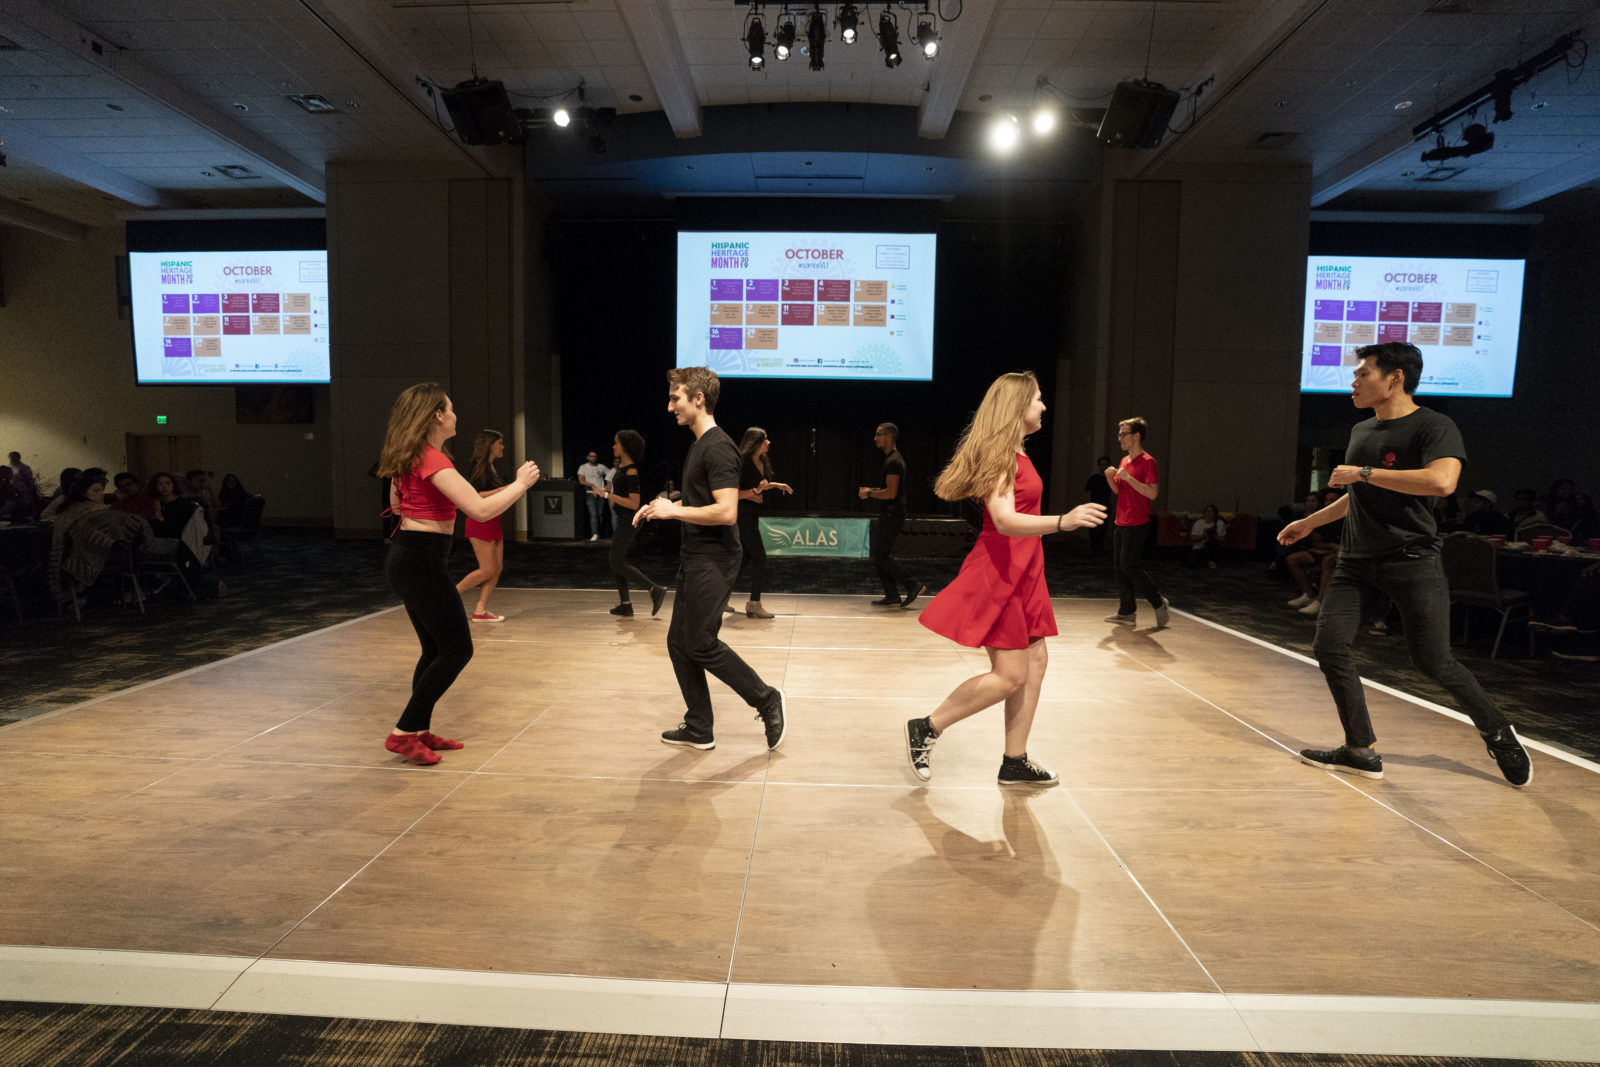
[236,837]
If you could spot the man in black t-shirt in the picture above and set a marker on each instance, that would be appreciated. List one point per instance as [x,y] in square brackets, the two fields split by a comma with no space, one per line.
[710,555]
[891,517]
[1397,461]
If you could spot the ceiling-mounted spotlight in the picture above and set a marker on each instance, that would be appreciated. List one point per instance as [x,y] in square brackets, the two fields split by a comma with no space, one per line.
[1044,120]
[755,42]
[783,43]
[889,39]
[848,20]
[1005,133]
[927,36]
[1474,139]
[562,117]
[816,36]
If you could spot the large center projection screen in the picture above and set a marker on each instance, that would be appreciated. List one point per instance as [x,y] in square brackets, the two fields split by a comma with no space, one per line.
[807,305]
[1463,314]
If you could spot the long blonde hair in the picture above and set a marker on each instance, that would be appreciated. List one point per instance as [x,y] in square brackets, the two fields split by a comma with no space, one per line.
[410,423]
[986,455]
[482,463]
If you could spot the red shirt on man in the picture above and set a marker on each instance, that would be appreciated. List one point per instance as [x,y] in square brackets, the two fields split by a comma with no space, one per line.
[1133,508]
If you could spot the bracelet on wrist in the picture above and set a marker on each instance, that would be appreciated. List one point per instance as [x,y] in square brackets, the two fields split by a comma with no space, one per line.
[1058,522]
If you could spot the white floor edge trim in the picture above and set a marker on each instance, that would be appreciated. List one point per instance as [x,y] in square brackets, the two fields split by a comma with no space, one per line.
[865,1014]
[1537,746]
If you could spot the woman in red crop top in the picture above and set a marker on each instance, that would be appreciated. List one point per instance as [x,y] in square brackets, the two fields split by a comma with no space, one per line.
[488,539]
[425,491]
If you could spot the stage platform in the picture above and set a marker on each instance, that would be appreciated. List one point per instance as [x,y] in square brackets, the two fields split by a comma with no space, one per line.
[236,837]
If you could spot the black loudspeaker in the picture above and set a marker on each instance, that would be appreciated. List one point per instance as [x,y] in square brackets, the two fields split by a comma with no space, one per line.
[482,113]
[1138,115]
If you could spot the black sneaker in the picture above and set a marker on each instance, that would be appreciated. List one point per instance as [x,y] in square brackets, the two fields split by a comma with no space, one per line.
[1342,759]
[911,596]
[887,602]
[622,609]
[771,716]
[1510,755]
[688,738]
[1023,771]
[658,593]
[919,746]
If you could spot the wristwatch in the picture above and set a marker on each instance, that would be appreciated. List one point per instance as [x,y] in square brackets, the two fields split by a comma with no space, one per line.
[1365,473]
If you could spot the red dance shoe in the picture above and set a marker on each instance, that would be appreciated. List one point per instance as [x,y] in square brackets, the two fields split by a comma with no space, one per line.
[410,746]
[437,743]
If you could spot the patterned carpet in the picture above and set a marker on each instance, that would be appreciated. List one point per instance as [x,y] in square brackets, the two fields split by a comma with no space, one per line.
[303,581]
[53,1035]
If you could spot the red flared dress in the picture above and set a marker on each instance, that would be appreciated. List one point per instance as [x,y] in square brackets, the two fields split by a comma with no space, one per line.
[999,600]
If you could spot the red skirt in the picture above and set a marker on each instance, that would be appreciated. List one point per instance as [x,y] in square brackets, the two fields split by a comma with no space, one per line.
[999,600]
[486,531]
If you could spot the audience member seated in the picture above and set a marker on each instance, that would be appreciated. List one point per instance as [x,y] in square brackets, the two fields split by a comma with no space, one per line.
[199,488]
[1561,503]
[231,498]
[85,529]
[1525,509]
[1483,518]
[27,487]
[69,475]
[175,508]
[1447,513]
[1312,561]
[1206,537]
[1588,523]
[12,508]
[132,497]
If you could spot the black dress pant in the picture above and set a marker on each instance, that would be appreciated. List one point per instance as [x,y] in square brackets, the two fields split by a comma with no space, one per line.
[704,584]
[622,537]
[1127,546]
[1417,585]
[890,573]
[754,550]
[415,569]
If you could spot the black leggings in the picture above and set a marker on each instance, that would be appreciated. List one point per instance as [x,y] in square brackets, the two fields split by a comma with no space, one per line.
[754,550]
[415,569]
[622,535]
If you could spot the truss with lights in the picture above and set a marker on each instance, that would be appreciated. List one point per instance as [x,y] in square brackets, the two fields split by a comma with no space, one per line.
[794,20]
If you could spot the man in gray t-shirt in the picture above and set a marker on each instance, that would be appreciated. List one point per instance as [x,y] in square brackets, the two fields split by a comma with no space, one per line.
[1397,462]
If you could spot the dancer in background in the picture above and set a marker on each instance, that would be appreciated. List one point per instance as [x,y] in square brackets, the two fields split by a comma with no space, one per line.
[891,498]
[709,551]
[755,479]
[999,601]
[1134,481]
[1397,461]
[627,449]
[488,539]
[425,491]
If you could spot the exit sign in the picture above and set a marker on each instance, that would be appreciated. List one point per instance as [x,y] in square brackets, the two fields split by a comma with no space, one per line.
[161,420]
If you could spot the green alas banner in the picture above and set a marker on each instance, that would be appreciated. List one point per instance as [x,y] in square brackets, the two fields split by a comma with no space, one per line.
[840,538]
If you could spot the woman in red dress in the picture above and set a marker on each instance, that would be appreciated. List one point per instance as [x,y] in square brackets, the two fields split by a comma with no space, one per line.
[488,539]
[999,601]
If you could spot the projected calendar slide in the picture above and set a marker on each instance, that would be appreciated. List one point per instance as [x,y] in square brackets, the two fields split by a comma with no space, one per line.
[229,318]
[1463,314]
[807,305]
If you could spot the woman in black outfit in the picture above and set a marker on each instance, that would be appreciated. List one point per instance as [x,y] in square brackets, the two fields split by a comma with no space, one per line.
[426,490]
[755,478]
[627,447]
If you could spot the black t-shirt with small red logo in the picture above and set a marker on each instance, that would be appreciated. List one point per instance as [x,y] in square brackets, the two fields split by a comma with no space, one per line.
[1382,522]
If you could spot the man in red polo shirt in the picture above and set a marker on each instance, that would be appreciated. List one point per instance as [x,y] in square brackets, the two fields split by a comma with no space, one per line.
[1134,481]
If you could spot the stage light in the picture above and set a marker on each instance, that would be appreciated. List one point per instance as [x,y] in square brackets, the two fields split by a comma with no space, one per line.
[927,38]
[816,36]
[848,20]
[1005,133]
[1044,120]
[1474,139]
[755,41]
[889,39]
[784,41]
[562,117]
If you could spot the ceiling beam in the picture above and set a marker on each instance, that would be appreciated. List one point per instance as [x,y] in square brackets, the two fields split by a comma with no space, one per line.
[71,38]
[46,156]
[1580,171]
[953,68]
[655,35]
[1348,173]
[14,214]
